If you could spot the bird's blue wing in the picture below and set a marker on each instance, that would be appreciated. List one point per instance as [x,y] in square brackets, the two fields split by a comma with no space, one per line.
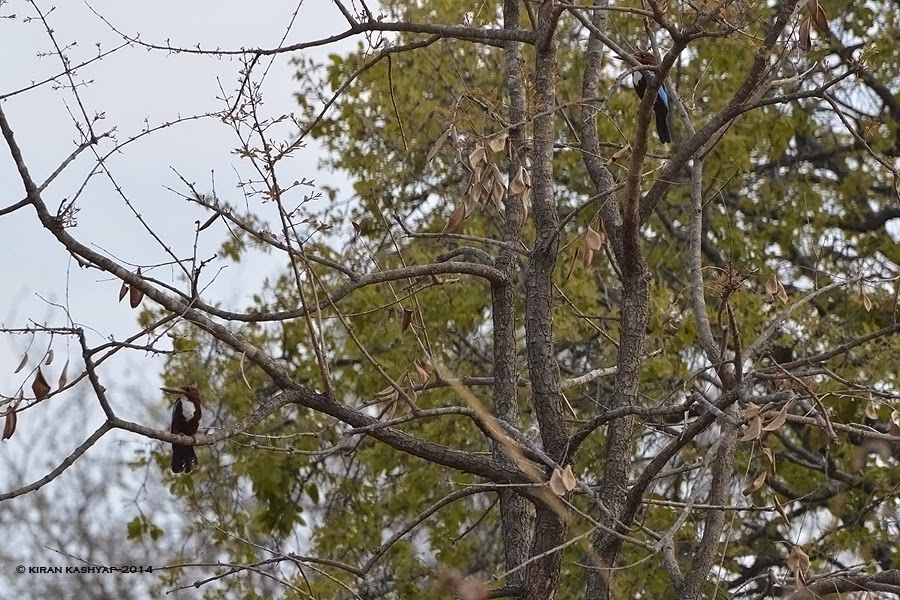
[664,97]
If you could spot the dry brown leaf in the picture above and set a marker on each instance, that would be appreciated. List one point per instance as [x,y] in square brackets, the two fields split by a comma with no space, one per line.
[756,484]
[22,363]
[39,386]
[411,394]
[782,294]
[557,485]
[798,563]
[751,411]
[780,509]
[817,13]
[805,39]
[621,153]
[770,454]
[456,219]
[754,430]
[587,257]
[123,290]
[867,302]
[424,375]
[568,478]
[871,408]
[594,240]
[50,356]
[388,393]
[477,155]
[64,376]
[497,193]
[496,175]
[9,426]
[498,142]
[208,222]
[437,146]
[776,423]
[517,185]
[407,319]
[135,296]
[771,287]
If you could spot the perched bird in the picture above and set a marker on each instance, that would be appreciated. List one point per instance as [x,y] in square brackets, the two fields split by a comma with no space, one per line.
[661,106]
[185,420]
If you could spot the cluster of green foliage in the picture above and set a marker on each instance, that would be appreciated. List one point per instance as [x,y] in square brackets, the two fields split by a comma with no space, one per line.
[787,191]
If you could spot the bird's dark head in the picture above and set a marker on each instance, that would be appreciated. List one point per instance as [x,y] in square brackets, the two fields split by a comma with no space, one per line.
[646,58]
[188,391]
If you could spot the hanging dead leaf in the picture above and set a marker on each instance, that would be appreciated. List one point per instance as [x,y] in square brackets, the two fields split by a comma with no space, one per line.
[754,430]
[782,294]
[437,146]
[424,375]
[517,185]
[755,485]
[411,394]
[477,156]
[817,13]
[751,411]
[476,192]
[470,207]
[22,363]
[498,142]
[568,478]
[497,192]
[496,175]
[798,563]
[780,510]
[39,386]
[64,376]
[9,426]
[407,319]
[895,418]
[123,290]
[208,222]
[871,408]
[771,287]
[805,39]
[557,486]
[390,394]
[49,357]
[770,454]
[135,296]
[779,419]
[456,219]
[622,153]
[587,256]
[594,240]
[867,302]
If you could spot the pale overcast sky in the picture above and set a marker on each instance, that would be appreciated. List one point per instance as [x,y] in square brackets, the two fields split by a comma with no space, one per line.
[131,87]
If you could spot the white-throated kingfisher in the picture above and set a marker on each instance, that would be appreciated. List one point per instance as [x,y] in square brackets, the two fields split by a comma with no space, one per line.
[185,420]
[661,106]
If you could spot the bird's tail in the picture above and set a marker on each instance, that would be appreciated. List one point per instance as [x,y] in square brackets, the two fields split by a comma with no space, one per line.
[662,126]
[183,458]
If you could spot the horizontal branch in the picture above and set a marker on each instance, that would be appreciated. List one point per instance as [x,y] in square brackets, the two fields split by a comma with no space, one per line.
[492,36]
[65,464]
